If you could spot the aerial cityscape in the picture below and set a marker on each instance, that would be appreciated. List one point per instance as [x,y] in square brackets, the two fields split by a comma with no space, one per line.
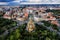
[17,22]
[29,20]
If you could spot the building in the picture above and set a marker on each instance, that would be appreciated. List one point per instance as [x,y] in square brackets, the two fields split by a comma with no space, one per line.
[30,26]
[7,15]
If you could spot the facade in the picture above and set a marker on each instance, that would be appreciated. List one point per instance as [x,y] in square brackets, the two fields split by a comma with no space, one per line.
[30,26]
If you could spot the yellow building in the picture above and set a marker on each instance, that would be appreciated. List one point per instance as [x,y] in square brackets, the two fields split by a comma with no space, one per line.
[30,26]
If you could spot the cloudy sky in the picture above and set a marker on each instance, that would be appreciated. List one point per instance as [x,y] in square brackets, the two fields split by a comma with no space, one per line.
[5,2]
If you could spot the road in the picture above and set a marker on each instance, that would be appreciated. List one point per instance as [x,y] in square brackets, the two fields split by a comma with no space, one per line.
[49,28]
[18,24]
[23,22]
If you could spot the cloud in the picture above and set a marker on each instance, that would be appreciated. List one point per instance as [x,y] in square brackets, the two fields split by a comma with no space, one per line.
[16,1]
[12,2]
[3,3]
[42,2]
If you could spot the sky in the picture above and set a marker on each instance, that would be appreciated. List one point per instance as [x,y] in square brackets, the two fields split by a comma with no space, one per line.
[6,2]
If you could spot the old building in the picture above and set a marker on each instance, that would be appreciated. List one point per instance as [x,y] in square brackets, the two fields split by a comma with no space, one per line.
[30,26]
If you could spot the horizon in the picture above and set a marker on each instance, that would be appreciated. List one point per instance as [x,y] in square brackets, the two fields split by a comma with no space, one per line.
[19,2]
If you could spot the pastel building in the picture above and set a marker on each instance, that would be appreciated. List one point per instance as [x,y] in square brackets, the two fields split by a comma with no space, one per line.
[7,15]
